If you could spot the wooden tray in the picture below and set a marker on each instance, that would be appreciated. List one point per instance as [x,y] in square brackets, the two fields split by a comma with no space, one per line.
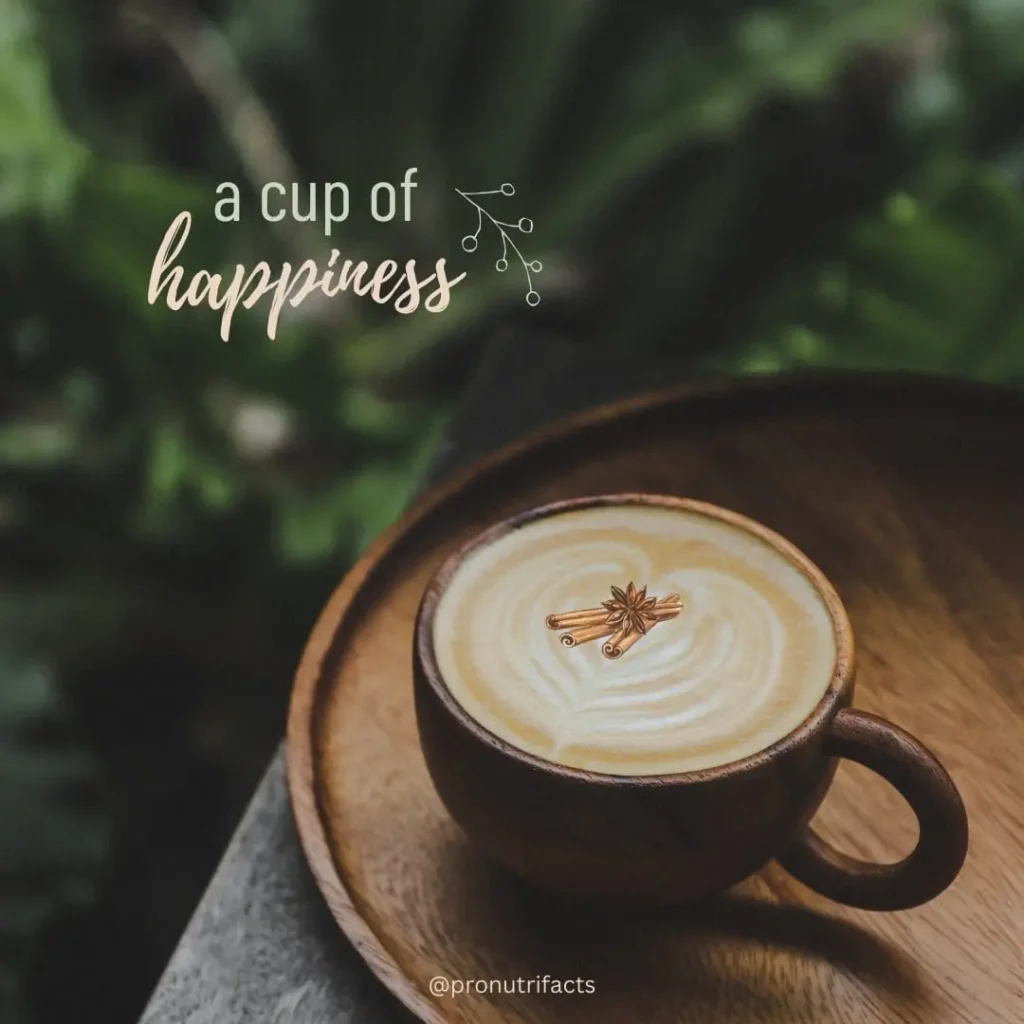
[909,493]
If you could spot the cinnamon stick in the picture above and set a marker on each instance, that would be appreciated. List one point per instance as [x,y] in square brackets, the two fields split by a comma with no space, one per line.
[620,643]
[572,620]
[664,614]
[584,634]
[667,608]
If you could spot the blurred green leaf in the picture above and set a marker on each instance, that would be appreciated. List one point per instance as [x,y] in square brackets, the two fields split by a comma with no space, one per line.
[379,494]
[39,159]
[119,218]
[519,92]
[310,528]
[366,412]
[934,282]
[219,487]
[170,460]
[709,92]
[314,527]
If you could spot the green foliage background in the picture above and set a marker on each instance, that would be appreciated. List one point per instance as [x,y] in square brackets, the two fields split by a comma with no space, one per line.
[751,187]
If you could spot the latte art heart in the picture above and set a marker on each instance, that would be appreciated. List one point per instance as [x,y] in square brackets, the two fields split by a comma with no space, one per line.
[746,659]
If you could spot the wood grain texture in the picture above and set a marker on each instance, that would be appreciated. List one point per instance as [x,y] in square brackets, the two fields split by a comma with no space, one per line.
[909,495]
[921,780]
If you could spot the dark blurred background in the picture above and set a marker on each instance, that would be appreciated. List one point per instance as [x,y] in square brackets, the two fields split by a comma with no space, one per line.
[750,187]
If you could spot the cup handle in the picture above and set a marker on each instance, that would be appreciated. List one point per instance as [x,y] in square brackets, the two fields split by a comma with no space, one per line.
[942,819]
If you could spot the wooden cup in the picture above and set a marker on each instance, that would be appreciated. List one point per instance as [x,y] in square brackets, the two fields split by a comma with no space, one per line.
[677,838]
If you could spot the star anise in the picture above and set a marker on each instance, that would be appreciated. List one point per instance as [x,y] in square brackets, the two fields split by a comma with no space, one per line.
[631,609]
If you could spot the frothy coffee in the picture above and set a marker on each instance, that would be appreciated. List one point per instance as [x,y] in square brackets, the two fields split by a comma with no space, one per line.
[746,660]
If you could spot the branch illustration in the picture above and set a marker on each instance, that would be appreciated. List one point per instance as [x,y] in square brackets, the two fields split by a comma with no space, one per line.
[524,225]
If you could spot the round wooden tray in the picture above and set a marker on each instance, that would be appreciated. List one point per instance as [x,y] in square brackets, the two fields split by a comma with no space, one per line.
[909,494]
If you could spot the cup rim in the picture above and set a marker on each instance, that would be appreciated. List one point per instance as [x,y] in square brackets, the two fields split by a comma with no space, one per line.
[830,702]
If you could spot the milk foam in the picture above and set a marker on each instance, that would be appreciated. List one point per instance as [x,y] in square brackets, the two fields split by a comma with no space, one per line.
[746,661]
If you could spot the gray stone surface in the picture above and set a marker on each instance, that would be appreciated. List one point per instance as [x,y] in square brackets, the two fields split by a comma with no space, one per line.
[262,946]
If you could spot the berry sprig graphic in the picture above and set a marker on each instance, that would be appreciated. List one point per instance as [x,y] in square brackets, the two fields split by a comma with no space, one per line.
[524,225]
